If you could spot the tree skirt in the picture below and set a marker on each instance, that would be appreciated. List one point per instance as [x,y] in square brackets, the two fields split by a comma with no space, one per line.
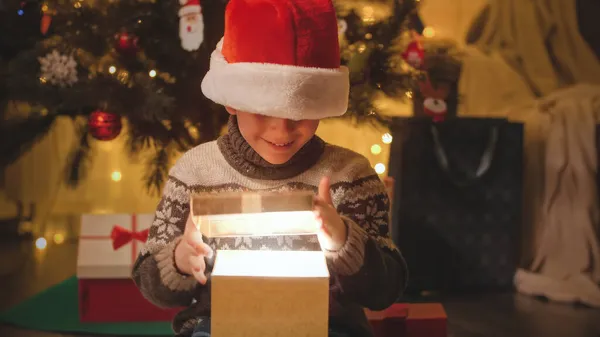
[56,309]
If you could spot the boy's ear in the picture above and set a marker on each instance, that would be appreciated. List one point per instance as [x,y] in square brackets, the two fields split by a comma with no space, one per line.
[231,110]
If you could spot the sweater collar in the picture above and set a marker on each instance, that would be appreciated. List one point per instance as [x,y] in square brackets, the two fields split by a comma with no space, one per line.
[242,157]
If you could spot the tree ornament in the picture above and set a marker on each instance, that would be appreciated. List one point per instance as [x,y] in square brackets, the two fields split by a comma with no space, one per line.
[191,25]
[58,69]
[434,99]
[414,54]
[45,23]
[104,126]
[126,43]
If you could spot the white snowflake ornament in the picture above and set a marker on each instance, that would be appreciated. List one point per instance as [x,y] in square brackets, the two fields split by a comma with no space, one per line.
[58,69]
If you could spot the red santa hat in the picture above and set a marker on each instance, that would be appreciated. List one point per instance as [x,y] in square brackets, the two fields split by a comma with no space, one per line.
[189,7]
[279,58]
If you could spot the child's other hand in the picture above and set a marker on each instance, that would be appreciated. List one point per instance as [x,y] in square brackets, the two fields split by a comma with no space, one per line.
[332,231]
[190,252]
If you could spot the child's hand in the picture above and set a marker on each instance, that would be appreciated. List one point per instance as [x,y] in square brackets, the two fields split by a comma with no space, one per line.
[190,252]
[332,231]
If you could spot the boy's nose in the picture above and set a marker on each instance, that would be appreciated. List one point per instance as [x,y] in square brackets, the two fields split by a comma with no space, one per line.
[281,124]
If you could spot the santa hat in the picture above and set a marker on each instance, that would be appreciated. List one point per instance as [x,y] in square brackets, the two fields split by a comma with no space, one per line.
[279,58]
[189,7]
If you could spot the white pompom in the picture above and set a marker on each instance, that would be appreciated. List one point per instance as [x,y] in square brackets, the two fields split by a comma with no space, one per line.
[436,106]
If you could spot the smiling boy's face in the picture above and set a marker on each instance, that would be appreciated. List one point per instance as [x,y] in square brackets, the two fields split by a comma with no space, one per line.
[276,140]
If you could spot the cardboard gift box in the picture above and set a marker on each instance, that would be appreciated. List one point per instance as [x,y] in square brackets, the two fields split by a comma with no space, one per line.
[108,247]
[260,292]
[409,320]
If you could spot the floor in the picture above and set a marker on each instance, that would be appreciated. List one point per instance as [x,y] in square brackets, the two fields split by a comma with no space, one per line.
[24,271]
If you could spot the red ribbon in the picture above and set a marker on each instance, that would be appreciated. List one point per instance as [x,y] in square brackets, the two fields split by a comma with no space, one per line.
[121,236]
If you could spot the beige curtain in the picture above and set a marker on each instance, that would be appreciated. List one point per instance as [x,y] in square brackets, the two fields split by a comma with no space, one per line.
[527,62]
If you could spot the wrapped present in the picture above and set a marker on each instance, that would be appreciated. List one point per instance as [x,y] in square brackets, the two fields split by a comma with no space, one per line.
[108,247]
[409,320]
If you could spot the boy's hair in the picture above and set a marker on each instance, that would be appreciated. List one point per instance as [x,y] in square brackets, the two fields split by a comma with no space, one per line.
[279,58]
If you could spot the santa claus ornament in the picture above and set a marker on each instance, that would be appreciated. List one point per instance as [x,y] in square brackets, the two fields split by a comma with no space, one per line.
[191,25]
[414,54]
[434,99]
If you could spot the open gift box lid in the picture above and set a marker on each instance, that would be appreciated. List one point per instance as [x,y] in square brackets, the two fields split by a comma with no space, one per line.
[254,213]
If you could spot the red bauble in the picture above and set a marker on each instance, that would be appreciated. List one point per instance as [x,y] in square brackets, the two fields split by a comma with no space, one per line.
[126,43]
[104,125]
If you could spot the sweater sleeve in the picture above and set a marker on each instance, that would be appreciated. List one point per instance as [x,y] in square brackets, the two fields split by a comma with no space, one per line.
[154,271]
[369,268]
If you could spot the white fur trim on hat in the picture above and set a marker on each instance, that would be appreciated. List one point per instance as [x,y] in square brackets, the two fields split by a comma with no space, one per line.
[190,9]
[276,90]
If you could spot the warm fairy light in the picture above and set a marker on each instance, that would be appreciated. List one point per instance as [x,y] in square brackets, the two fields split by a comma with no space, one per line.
[77,4]
[41,243]
[429,32]
[379,168]
[368,36]
[152,73]
[368,14]
[116,176]
[112,69]
[376,149]
[44,8]
[59,238]
[386,138]
[409,94]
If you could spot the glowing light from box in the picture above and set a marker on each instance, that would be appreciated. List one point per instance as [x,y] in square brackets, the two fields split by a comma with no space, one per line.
[41,243]
[268,263]
[379,168]
[257,224]
[386,138]
[429,32]
[376,149]
[116,176]
[59,238]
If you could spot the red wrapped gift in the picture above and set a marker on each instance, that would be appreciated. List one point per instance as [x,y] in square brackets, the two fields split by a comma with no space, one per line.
[409,320]
[108,247]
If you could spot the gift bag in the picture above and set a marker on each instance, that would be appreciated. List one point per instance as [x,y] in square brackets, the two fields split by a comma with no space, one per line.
[457,201]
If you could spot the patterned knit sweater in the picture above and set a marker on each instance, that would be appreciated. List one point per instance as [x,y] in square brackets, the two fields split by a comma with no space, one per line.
[368,271]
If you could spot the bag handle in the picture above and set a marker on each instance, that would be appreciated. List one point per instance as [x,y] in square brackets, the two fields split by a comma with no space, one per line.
[484,164]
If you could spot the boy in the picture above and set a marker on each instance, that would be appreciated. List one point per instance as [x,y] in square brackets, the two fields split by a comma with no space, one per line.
[277,71]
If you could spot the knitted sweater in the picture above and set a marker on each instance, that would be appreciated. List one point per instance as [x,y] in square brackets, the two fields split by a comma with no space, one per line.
[368,271]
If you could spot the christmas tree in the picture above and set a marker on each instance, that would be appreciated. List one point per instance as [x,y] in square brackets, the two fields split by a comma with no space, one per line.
[102,62]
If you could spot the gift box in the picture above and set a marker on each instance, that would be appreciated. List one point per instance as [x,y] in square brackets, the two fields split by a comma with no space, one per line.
[262,292]
[108,247]
[409,320]
[267,293]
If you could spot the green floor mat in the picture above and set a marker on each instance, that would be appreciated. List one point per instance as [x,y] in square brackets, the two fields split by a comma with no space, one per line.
[42,312]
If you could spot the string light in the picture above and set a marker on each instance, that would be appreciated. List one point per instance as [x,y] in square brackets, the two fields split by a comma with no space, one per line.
[116,176]
[376,149]
[112,69]
[428,32]
[41,243]
[59,238]
[386,138]
[379,168]
[152,73]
